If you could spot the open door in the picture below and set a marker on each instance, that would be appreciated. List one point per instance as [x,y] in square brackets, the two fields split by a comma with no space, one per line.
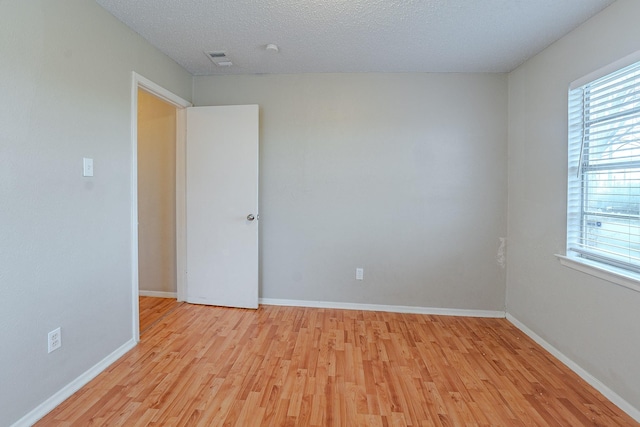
[222,205]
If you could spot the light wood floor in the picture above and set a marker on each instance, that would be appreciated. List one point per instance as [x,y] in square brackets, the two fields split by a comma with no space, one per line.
[153,309]
[284,366]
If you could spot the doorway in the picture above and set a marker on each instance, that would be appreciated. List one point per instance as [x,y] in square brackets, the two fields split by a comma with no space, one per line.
[158,226]
[157,277]
[235,256]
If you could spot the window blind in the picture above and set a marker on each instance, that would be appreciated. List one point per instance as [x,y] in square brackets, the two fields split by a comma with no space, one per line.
[603,211]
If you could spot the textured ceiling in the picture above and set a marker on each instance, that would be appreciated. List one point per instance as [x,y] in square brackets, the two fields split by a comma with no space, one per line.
[327,36]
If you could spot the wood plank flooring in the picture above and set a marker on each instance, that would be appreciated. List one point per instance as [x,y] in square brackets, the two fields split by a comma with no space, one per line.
[153,309]
[287,366]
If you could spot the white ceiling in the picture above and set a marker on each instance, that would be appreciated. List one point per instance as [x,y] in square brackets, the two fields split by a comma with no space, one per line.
[330,36]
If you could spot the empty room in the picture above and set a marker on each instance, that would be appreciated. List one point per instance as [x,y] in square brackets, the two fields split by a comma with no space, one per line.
[320,213]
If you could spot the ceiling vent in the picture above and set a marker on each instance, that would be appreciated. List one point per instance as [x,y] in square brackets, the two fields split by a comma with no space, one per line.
[220,58]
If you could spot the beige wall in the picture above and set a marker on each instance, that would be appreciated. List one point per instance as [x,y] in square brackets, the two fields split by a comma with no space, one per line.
[593,322]
[156,194]
[65,240]
[403,175]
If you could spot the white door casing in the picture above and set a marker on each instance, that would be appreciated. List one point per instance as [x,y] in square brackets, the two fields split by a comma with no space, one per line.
[222,194]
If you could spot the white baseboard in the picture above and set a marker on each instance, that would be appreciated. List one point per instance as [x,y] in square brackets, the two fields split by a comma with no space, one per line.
[386,308]
[63,394]
[158,294]
[593,381]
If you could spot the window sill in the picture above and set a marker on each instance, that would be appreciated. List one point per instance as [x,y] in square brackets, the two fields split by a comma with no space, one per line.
[610,274]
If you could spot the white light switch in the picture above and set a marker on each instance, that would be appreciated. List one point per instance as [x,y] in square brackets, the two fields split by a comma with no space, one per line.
[359,273]
[87,167]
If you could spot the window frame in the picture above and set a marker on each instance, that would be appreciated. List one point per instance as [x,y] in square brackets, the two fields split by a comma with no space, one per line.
[582,260]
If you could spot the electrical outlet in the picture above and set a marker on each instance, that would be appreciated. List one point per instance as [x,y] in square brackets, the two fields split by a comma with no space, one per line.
[87,166]
[359,273]
[54,340]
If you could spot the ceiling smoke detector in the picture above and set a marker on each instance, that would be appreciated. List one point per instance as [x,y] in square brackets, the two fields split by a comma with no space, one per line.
[220,58]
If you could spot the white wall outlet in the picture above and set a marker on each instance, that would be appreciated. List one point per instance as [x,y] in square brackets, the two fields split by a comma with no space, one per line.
[87,167]
[359,273]
[54,340]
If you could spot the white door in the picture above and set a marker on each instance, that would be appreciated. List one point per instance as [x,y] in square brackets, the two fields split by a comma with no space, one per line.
[222,206]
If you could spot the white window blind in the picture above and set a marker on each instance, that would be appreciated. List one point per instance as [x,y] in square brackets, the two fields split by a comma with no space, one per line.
[603,214]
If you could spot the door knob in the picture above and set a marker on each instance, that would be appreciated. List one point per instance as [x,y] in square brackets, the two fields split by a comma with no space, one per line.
[250,217]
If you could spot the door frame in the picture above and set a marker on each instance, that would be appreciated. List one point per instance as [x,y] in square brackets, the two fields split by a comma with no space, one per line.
[140,82]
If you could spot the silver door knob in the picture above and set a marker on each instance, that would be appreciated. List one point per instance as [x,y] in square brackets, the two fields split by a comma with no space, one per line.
[250,217]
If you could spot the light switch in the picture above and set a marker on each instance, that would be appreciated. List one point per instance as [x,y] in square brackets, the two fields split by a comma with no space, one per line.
[87,167]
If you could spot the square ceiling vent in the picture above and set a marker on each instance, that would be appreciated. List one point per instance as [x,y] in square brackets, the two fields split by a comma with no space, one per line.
[220,58]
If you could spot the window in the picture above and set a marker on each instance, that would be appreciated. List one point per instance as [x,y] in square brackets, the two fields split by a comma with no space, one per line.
[603,214]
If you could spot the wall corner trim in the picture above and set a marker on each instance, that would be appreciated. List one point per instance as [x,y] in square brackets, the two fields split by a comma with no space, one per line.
[582,373]
[387,308]
[51,403]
